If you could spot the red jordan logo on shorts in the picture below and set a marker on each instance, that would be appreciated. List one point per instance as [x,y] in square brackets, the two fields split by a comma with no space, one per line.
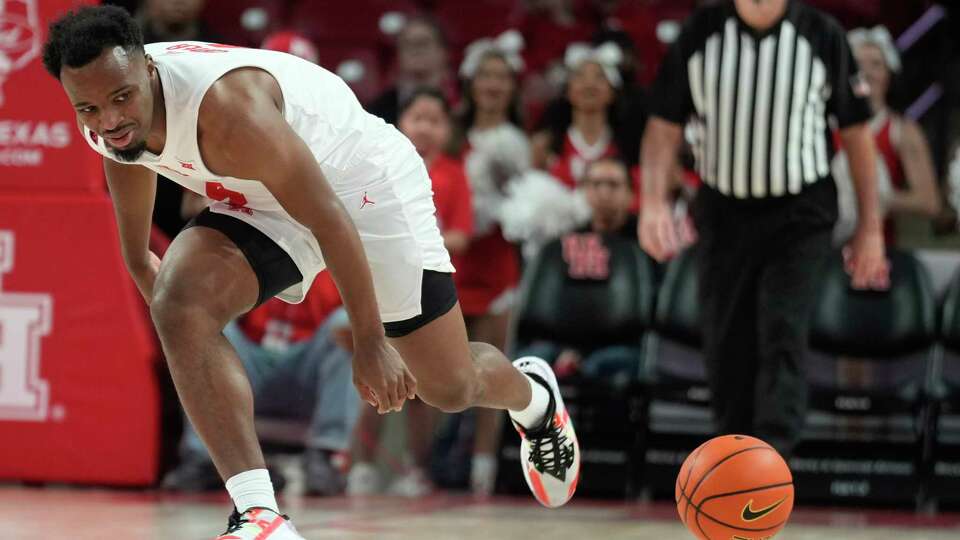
[186,165]
[365,201]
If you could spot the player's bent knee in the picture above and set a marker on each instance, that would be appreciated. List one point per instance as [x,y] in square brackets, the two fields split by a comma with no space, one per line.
[456,393]
[176,314]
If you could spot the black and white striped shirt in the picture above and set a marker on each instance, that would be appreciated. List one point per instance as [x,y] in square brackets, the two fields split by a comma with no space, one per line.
[756,104]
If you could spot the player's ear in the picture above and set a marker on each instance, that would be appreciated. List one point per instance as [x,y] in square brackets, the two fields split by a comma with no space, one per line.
[151,65]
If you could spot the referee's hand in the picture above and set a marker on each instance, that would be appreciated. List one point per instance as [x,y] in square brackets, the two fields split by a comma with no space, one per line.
[657,232]
[866,261]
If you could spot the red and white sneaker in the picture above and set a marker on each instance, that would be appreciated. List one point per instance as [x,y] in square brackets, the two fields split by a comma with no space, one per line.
[259,524]
[549,453]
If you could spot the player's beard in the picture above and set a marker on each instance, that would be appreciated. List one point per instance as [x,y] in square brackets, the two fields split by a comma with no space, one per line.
[131,153]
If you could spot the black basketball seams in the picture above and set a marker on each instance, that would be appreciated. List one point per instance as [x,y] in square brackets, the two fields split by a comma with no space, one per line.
[709,471]
[741,492]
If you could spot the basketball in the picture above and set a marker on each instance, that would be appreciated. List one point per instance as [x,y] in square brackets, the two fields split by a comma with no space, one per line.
[734,487]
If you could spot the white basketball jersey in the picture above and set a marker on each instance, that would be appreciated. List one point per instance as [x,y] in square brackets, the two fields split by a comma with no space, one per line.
[374,170]
[317,104]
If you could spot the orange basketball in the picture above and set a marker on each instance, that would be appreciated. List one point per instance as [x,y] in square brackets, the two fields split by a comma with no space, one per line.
[734,487]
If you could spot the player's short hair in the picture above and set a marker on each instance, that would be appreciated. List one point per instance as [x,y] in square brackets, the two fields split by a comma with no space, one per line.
[424,91]
[79,37]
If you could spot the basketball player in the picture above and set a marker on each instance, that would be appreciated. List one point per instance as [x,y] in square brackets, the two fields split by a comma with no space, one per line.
[302,178]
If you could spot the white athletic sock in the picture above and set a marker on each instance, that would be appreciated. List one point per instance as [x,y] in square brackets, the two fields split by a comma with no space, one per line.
[532,415]
[252,489]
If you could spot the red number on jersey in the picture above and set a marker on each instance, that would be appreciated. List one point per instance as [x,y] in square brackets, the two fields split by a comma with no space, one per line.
[217,192]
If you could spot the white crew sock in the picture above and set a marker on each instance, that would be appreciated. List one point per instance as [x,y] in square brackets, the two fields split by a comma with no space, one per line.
[252,489]
[532,415]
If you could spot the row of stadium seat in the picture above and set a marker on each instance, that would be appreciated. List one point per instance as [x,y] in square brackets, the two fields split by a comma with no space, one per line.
[883,369]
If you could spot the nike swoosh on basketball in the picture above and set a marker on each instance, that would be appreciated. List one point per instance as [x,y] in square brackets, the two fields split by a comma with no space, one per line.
[749,514]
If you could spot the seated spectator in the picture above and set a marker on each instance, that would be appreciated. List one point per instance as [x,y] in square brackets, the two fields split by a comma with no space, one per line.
[608,190]
[609,193]
[174,20]
[905,156]
[582,127]
[298,372]
[422,60]
[425,120]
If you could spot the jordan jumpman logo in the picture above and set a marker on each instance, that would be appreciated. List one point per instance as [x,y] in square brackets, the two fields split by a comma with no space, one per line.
[365,201]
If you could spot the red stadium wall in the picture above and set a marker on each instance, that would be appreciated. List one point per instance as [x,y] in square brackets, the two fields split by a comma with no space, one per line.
[78,392]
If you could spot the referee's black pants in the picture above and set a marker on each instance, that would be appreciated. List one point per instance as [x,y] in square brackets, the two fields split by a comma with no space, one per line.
[760,264]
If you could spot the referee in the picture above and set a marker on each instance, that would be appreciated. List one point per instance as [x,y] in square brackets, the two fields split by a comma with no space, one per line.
[756,82]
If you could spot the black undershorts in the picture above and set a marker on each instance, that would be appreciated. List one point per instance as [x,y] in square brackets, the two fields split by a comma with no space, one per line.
[276,271]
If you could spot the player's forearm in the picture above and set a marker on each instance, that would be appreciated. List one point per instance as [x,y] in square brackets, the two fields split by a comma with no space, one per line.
[858,143]
[345,258]
[661,141]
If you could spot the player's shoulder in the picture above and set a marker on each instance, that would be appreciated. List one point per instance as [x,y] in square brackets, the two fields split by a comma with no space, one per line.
[237,93]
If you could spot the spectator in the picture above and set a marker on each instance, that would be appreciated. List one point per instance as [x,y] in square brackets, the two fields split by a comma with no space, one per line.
[631,105]
[582,127]
[489,271]
[422,61]
[609,192]
[298,372]
[900,142]
[765,213]
[172,20]
[425,120]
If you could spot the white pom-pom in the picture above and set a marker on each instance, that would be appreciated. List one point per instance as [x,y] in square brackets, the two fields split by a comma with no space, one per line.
[668,31]
[254,19]
[538,208]
[391,22]
[351,70]
[510,41]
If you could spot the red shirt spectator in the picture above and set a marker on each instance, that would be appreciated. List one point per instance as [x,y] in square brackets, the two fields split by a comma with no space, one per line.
[451,195]
[487,272]
[278,321]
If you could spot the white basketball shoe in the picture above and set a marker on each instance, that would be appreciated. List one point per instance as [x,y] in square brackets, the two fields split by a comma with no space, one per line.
[549,453]
[259,524]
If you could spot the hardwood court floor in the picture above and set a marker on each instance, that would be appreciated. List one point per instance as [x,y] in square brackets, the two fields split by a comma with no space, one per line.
[82,514]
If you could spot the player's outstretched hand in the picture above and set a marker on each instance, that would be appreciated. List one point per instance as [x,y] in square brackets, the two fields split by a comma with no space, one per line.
[381,377]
